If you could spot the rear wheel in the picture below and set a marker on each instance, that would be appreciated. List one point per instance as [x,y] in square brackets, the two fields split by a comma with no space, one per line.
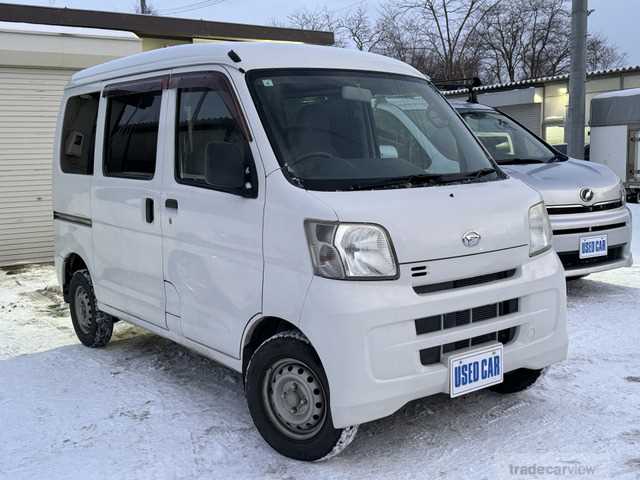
[517,380]
[288,397]
[93,327]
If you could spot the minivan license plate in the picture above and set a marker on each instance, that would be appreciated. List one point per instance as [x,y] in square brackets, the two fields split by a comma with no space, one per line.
[474,370]
[593,246]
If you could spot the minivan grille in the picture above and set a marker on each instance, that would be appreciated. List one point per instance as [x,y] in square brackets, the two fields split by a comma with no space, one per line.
[463,282]
[572,260]
[445,321]
[598,228]
[570,209]
[429,356]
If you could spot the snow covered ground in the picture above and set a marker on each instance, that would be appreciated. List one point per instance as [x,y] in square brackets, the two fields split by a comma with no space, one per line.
[145,408]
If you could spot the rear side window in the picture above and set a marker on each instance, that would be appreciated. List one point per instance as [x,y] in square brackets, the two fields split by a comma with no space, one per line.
[79,134]
[131,136]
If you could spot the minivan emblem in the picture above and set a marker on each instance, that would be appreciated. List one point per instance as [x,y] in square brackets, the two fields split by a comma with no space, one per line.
[471,239]
[586,194]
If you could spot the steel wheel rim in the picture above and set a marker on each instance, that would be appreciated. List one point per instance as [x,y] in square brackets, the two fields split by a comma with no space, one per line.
[82,307]
[294,399]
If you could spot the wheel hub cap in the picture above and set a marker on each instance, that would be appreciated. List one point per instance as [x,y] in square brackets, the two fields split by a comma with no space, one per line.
[82,306]
[294,399]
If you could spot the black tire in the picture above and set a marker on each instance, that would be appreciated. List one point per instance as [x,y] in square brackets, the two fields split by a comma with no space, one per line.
[326,441]
[517,381]
[93,327]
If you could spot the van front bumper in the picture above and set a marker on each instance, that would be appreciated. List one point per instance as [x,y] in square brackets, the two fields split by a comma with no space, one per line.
[570,228]
[365,333]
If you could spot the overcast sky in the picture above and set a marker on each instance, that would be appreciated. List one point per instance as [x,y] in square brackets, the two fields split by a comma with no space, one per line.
[619,20]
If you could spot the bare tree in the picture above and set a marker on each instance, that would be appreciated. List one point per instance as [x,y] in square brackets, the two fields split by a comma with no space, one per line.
[602,55]
[451,30]
[357,28]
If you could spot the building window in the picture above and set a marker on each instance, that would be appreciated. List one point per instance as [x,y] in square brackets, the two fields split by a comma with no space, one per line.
[131,138]
[79,134]
[554,134]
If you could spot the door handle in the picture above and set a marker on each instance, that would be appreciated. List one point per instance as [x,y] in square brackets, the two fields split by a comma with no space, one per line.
[148,209]
[171,203]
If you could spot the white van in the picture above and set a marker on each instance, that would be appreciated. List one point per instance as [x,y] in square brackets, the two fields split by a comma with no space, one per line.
[257,203]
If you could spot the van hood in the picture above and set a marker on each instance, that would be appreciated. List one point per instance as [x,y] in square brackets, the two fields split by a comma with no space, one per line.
[428,223]
[560,183]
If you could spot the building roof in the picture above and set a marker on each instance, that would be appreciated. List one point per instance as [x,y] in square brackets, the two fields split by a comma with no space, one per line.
[253,55]
[464,105]
[532,82]
[156,26]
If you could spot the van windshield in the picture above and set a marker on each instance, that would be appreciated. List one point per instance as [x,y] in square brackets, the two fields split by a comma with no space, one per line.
[345,130]
[507,142]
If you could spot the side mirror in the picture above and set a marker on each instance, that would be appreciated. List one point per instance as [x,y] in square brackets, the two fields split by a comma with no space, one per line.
[228,169]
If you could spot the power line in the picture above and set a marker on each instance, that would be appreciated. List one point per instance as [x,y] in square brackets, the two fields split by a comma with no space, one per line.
[190,7]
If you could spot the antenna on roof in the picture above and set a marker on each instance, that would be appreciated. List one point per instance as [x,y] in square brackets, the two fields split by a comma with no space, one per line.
[234,56]
[468,84]
[473,96]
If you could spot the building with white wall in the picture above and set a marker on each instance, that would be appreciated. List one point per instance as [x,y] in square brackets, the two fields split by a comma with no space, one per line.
[541,104]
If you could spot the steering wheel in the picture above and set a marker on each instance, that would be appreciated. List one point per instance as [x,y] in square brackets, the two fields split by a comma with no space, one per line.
[306,156]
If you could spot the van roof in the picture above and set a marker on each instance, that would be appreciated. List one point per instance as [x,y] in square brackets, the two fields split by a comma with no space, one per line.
[253,55]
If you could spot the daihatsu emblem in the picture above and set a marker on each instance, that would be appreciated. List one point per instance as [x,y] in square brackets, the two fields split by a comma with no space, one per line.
[471,239]
[586,194]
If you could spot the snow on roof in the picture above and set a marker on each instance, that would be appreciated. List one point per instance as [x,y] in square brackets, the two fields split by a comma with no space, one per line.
[39,29]
[254,55]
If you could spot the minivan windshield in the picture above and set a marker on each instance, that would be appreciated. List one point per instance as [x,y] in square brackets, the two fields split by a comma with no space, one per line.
[508,142]
[346,130]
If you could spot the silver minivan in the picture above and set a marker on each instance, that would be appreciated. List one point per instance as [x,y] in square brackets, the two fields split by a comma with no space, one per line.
[585,201]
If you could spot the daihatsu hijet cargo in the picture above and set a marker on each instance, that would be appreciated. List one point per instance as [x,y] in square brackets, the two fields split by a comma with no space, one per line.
[258,204]
[586,202]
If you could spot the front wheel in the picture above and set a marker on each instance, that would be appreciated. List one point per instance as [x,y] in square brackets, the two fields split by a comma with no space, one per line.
[288,397]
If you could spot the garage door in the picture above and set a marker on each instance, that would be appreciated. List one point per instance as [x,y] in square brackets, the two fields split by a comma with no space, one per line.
[29,103]
[529,115]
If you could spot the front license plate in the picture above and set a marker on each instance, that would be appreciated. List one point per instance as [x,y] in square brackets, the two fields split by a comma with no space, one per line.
[474,370]
[593,246]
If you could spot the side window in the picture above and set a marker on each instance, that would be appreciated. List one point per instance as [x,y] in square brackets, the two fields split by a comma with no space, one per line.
[131,136]
[79,134]
[212,150]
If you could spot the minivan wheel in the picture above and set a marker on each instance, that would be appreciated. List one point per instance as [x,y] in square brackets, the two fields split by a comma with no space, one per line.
[288,397]
[517,380]
[93,327]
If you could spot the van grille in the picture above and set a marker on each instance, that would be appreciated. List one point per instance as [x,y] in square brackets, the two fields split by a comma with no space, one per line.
[598,228]
[463,282]
[429,356]
[570,209]
[445,321]
[572,260]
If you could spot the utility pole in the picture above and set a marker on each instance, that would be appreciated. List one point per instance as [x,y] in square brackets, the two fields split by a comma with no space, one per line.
[574,129]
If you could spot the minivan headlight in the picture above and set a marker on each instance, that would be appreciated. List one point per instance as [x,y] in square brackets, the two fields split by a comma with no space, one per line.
[351,251]
[540,234]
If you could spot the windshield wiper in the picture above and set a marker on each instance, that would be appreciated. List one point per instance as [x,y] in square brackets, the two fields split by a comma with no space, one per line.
[425,179]
[409,181]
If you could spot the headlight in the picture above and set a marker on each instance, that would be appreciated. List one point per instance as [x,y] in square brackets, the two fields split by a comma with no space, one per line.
[539,230]
[351,251]
[623,194]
